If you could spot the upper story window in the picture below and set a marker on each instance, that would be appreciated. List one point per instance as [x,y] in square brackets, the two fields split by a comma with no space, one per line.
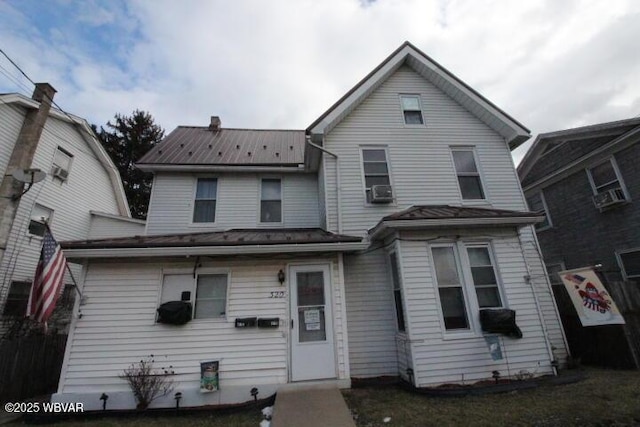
[376,170]
[607,185]
[271,201]
[538,205]
[411,109]
[464,283]
[397,290]
[61,164]
[204,209]
[553,271]
[469,179]
[40,216]
[207,293]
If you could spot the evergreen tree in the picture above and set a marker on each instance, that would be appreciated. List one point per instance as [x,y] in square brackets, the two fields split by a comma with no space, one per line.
[126,140]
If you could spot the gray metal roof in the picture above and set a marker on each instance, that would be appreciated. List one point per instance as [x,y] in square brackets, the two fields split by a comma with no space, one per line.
[448,212]
[236,237]
[188,145]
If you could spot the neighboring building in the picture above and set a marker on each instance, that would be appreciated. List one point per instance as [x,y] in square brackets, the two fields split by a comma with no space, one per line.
[586,182]
[371,239]
[80,179]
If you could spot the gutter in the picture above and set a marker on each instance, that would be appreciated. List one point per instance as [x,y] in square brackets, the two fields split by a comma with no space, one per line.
[338,187]
[93,253]
[145,167]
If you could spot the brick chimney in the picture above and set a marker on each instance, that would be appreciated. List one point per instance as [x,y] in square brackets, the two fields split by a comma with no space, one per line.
[215,124]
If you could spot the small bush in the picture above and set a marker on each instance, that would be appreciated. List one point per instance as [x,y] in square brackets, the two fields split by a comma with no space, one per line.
[148,383]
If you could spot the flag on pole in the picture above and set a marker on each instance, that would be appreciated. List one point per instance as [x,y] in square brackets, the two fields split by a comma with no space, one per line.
[47,283]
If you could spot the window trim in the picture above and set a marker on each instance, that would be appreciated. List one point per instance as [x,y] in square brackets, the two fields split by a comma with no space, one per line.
[193,199]
[479,173]
[48,221]
[282,210]
[545,208]
[54,165]
[623,271]
[463,266]
[204,271]
[384,147]
[395,252]
[616,170]
[420,109]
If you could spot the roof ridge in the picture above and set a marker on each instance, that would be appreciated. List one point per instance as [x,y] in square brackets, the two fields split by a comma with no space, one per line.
[247,129]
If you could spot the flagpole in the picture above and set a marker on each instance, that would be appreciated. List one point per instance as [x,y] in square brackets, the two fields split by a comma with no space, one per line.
[73,279]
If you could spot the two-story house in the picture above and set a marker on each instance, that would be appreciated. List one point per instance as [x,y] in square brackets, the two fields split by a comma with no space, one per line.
[81,197]
[586,183]
[363,246]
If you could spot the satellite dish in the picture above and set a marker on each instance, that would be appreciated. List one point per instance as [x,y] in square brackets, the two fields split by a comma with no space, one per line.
[28,176]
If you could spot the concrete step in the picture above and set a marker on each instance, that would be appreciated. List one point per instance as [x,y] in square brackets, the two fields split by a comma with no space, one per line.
[314,407]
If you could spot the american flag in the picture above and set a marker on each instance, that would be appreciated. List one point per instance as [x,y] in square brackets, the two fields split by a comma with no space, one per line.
[47,283]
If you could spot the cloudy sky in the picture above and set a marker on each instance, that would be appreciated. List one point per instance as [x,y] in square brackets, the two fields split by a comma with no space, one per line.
[280,64]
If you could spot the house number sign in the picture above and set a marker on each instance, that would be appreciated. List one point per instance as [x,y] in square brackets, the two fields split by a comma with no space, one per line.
[277,294]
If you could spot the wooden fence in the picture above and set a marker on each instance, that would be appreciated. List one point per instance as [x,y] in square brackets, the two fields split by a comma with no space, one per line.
[613,346]
[30,366]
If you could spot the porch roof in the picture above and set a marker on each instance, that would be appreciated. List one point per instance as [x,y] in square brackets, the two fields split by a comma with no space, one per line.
[233,241]
[440,216]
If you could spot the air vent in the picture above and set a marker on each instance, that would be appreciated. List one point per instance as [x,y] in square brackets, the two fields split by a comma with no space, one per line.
[381,194]
[609,198]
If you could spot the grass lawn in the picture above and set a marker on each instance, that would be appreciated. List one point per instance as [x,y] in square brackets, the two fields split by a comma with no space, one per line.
[606,397]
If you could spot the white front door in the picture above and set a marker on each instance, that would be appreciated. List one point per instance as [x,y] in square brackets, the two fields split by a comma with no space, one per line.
[312,348]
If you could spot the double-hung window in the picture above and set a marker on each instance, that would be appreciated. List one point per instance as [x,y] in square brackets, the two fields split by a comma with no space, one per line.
[271,201]
[61,164]
[205,203]
[604,177]
[207,293]
[629,261]
[464,283]
[376,169]
[538,205]
[411,109]
[469,178]
[397,290]
[40,217]
[17,299]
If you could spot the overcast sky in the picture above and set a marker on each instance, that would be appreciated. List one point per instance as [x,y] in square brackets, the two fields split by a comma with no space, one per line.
[551,64]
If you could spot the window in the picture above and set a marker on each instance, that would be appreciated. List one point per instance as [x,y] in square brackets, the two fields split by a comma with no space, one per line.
[604,177]
[411,109]
[468,175]
[271,201]
[450,288]
[207,293]
[629,261]
[61,164]
[484,277]
[397,290]
[17,300]
[538,205]
[40,216]
[376,170]
[465,284]
[205,204]
[553,271]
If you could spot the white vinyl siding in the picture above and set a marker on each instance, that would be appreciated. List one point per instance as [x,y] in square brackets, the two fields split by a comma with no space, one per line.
[118,327]
[237,205]
[103,226]
[87,188]
[422,165]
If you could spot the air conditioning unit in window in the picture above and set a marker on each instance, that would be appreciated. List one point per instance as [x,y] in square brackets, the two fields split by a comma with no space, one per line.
[60,173]
[609,198]
[381,194]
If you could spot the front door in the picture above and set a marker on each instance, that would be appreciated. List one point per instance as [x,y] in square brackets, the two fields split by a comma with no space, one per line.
[312,348]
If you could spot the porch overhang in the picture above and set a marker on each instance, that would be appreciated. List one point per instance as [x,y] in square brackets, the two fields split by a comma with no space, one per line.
[444,216]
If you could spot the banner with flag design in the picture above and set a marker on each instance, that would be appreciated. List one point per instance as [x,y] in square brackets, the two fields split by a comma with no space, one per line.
[590,298]
[48,280]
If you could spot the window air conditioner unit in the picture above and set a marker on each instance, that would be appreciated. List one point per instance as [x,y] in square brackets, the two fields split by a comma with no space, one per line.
[60,173]
[609,198]
[381,194]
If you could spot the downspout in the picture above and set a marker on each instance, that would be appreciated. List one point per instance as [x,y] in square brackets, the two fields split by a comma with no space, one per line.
[338,188]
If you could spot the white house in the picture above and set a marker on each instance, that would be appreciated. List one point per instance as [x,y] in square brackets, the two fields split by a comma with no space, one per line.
[370,241]
[82,184]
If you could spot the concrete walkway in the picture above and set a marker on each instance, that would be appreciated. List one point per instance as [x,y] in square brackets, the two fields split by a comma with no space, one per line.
[319,407]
